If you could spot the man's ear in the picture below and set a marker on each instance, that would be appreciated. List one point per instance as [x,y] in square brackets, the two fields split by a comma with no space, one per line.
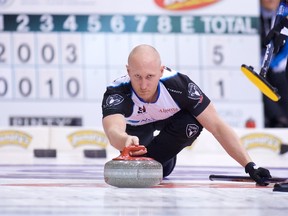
[162,69]
[127,68]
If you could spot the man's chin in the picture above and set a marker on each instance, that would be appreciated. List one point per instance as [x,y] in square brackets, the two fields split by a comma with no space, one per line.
[145,99]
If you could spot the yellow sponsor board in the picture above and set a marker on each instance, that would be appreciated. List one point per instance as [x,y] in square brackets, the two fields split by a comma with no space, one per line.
[261,140]
[15,137]
[88,137]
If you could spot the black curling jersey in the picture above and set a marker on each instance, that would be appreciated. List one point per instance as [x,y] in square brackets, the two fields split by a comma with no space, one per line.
[176,92]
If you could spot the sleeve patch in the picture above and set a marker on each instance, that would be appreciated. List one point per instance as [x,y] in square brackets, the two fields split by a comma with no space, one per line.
[194,92]
[113,100]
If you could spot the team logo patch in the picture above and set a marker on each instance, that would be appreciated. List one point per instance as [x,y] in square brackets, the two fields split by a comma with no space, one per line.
[114,100]
[195,93]
[191,130]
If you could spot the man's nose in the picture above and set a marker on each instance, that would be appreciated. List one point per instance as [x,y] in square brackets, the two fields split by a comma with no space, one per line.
[143,84]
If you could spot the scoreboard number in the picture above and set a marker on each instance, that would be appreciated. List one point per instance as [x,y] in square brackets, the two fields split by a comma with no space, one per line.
[47,24]
[141,21]
[24,53]
[94,25]
[22,21]
[70,23]
[164,24]
[48,53]
[3,86]
[218,55]
[25,87]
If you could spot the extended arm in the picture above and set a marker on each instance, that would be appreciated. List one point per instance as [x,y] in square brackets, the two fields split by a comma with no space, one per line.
[231,143]
[224,135]
[114,127]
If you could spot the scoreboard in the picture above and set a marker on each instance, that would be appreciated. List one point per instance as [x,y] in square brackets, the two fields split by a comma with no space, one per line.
[56,57]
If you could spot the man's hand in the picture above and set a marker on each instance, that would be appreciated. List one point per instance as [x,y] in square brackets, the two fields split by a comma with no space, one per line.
[257,174]
[276,36]
[134,140]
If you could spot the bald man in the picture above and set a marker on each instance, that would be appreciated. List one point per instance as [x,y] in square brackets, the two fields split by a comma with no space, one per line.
[153,97]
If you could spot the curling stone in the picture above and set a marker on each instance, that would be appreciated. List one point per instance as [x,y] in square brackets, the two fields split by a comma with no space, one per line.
[127,171]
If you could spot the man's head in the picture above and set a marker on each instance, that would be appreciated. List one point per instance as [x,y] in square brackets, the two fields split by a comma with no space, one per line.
[270,5]
[145,70]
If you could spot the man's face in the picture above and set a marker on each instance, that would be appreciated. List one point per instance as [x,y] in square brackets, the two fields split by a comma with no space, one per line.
[270,4]
[145,78]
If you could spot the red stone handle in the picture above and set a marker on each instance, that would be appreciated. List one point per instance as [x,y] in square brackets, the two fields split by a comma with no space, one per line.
[125,154]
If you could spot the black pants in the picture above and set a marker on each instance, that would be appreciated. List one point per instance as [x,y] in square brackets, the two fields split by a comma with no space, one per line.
[276,113]
[176,133]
